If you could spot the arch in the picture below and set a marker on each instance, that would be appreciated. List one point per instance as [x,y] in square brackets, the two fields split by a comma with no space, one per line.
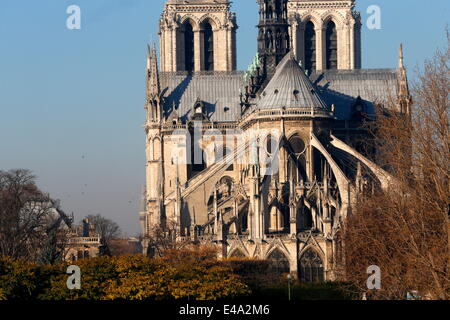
[261,39]
[312,16]
[237,253]
[345,188]
[157,150]
[385,178]
[276,217]
[278,9]
[305,220]
[195,195]
[332,15]
[192,20]
[311,266]
[189,46]
[207,45]
[211,19]
[279,262]
[297,160]
[269,14]
[224,190]
[269,40]
[310,46]
[297,143]
[331,45]
[226,186]
[319,164]
[270,144]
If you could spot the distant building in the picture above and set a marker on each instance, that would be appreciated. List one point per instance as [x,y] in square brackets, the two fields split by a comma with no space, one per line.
[82,242]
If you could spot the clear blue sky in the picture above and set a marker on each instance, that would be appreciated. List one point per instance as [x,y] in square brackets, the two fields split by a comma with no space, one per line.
[71,102]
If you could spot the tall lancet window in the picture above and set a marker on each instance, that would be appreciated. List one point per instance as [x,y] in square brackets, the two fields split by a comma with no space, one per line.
[188,47]
[278,9]
[310,47]
[332,45]
[208,47]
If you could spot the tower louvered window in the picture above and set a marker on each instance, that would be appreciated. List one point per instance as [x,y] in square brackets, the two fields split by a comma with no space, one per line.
[310,47]
[209,48]
[331,45]
[189,47]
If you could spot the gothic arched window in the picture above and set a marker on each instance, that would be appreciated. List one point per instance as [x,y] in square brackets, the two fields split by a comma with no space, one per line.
[304,218]
[244,219]
[208,42]
[331,46]
[311,267]
[278,9]
[269,40]
[297,144]
[279,264]
[310,47]
[276,218]
[198,157]
[237,254]
[297,160]
[188,47]
[261,39]
[270,12]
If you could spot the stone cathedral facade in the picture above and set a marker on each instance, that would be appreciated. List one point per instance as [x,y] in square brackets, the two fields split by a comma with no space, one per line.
[268,162]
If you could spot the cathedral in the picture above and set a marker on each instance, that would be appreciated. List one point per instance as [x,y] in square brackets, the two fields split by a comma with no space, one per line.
[265,163]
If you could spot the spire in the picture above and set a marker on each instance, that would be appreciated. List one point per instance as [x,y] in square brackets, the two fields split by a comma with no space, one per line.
[400,54]
[403,95]
[153,86]
[273,39]
[149,57]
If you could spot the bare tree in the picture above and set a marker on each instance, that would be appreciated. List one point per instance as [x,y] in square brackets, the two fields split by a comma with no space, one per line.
[405,230]
[164,238]
[30,221]
[106,229]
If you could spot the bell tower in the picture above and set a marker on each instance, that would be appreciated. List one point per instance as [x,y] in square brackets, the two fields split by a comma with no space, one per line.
[326,34]
[197,35]
[273,37]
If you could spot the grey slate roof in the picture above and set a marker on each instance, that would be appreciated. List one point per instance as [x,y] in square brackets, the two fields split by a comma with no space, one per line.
[290,88]
[219,91]
[342,87]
